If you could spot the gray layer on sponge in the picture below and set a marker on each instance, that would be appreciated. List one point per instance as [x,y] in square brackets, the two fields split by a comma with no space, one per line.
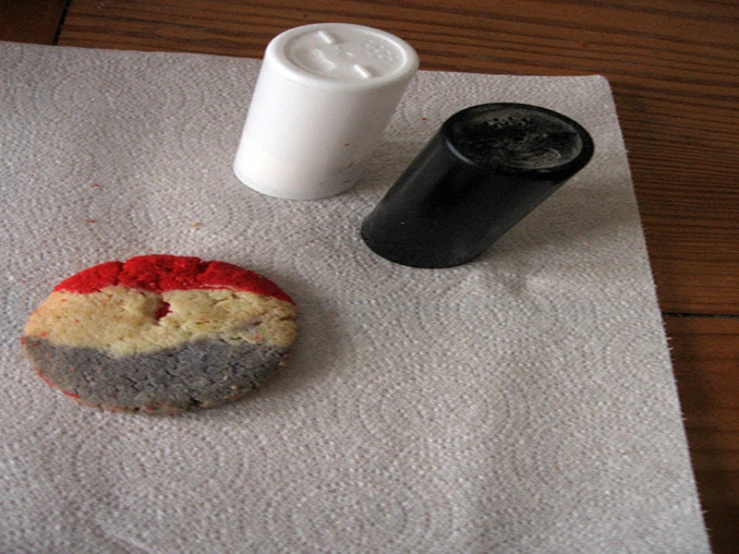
[195,375]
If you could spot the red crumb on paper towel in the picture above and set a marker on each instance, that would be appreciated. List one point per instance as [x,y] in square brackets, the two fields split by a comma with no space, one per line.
[160,273]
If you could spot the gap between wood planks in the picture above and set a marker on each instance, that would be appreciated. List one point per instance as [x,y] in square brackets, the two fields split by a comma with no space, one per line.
[59,27]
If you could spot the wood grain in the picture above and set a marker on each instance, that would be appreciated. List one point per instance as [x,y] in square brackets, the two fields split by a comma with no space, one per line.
[34,21]
[705,354]
[674,70]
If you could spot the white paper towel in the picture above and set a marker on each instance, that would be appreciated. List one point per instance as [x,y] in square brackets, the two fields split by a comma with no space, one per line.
[524,402]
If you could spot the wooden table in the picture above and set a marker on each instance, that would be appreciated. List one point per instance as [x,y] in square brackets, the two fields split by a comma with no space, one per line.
[674,69]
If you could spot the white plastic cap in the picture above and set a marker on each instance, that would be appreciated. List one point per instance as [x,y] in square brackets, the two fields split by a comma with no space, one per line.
[324,95]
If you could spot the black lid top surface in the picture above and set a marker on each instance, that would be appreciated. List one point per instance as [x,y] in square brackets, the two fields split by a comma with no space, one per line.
[518,139]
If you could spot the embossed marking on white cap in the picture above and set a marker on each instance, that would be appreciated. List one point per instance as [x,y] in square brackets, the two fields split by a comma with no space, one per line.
[327,38]
[345,54]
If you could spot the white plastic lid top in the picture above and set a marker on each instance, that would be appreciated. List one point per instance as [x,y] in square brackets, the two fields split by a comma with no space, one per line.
[343,56]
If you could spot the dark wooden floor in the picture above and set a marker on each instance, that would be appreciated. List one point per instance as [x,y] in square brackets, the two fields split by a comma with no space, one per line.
[674,68]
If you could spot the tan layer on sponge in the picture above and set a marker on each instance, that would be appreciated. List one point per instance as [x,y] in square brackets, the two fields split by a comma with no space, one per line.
[124,321]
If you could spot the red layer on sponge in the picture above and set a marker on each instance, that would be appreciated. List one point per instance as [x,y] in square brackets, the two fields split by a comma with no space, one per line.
[158,273]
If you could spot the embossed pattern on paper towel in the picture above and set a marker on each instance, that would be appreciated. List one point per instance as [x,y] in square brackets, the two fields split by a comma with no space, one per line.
[522,403]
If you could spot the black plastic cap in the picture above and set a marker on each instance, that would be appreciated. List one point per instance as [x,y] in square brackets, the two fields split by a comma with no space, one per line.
[484,171]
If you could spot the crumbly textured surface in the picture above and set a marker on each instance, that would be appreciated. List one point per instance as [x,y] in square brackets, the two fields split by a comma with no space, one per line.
[198,374]
[125,321]
[160,334]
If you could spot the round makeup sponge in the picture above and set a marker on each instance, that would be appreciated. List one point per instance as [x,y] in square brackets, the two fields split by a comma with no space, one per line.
[160,334]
